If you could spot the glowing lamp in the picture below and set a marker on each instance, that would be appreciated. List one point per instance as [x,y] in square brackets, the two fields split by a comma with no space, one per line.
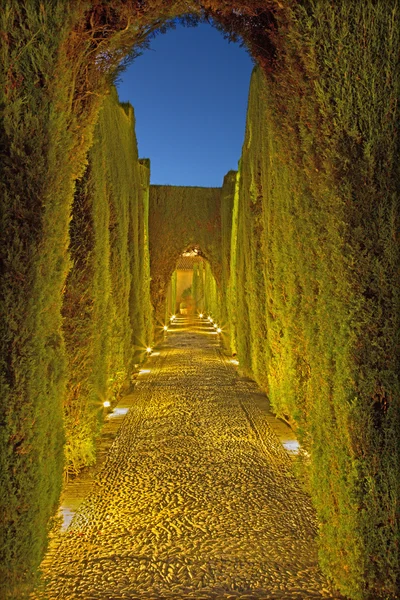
[106,404]
[201,315]
[165,327]
[219,330]
[148,350]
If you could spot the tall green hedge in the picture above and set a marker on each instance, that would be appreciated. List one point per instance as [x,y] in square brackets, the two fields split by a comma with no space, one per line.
[212,295]
[105,312]
[34,177]
[170,304]
[181,217]
[198,287]
[315,297]
[322,154]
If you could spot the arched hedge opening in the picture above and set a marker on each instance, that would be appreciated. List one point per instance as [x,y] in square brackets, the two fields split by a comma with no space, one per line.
[314,254]
[181,217]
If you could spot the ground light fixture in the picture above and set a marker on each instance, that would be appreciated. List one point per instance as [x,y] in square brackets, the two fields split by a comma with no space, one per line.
[201,315]
[172,318]
[210,319]
[219,330]
[149,350]
[106,404]
[165,327]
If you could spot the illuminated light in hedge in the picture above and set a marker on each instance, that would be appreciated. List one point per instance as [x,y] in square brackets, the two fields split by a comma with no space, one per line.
[172,318]
[149,350]
[118,412]
[215,326]
[201,315]
[165,327]
[210,319]
[291,446]
[219,330]
[106,403]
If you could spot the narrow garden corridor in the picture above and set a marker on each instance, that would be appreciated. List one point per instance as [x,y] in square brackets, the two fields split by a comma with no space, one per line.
[196,498]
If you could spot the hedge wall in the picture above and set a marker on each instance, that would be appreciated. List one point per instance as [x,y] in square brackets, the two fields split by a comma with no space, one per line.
[106,306]
[314,291]
[91,357]
[34,177]
[170,304]
[328,230]
[181,217]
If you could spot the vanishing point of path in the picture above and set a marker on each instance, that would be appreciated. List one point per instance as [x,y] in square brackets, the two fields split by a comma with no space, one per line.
[196,498]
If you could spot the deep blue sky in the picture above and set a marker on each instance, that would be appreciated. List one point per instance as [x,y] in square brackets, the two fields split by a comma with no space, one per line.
[189,92]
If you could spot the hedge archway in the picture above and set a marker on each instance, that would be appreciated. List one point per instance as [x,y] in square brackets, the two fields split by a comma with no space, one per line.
[330,88]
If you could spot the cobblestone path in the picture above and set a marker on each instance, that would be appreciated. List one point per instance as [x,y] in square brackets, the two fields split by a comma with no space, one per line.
[196,498]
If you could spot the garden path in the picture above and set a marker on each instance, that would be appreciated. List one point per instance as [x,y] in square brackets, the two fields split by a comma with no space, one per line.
[196,498]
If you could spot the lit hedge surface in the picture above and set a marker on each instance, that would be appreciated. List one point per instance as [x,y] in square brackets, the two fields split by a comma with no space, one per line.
[227,203]
[180,217]
[106,323]
[34,182]
[317,283]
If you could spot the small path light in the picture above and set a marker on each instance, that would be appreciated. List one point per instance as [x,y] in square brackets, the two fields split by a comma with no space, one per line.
[149,350]
[201,315]
[106,404]
[210,319]
[219,330]
[165,327]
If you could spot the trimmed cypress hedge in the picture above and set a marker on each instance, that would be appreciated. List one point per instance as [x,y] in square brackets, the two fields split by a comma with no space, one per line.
[106,306]
[327,172]
[34,141]
[212,294]
[181,217]
[316,281]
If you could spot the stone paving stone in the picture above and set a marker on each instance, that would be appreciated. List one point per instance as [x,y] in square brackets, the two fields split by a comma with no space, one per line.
[196,498]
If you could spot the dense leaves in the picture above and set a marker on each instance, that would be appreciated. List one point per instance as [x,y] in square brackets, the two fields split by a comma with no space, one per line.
[313,263]
[107,313]
[180,218]
[314,304]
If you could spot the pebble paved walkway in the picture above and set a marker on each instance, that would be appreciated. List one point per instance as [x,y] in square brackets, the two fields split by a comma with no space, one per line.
[196,498]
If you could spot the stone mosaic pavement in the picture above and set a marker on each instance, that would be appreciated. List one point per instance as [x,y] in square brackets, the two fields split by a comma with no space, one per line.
[196,498]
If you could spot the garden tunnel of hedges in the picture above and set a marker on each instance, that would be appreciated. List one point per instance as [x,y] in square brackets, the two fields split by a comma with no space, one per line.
[304,249]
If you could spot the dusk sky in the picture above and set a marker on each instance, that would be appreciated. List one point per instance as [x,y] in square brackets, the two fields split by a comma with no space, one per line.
[189,92]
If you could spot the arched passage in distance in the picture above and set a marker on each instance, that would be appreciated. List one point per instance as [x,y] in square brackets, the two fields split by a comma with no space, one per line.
[323,185]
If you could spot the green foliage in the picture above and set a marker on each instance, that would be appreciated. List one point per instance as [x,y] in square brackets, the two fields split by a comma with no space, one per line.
[34,141]
[106,303]
[179,218]
[227,320]
[170,304]
[314,272]
[317,189]
[212,295]
[198,287]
